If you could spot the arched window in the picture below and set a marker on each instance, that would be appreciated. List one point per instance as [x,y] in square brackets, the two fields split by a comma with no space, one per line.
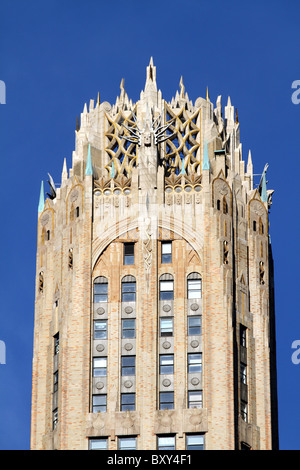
[194,286]
[70,259]
[218,204]
[166,287]
[41,281]
[100,289]
[128,289]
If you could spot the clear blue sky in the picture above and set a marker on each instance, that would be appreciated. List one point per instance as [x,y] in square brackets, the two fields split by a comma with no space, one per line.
[56,55]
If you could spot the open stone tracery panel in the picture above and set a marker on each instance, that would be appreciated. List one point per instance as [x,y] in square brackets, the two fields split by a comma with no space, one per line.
[182,148]
[121,155]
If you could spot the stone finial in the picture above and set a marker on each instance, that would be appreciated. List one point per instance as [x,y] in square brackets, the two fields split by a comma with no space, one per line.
[207,94]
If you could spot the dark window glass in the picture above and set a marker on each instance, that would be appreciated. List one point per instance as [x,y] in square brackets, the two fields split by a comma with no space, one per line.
[166,400]
[128,253]
[194,325]
[166,364]
[243,373]
[100,329]
[55,381]
[56,344]
[244,411]
[128,365]
[243,336]
[194,363]
[100,292]
[128,328]
[54,418]
[166,252]
[128,401]
[128,291]
[99,403]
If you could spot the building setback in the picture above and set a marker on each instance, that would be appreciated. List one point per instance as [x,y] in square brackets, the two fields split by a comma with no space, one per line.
[154,311]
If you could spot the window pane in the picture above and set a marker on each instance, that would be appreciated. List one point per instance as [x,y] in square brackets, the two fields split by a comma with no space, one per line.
[166,285]
[128,291]
[166,364]
[195,442]
[128,328]
[99,403]
[100,329]
[128,253]
[194,325]
[128,365]
[166,252]
[128,401]
[194,363]
[100,298]
[166,400]
[100,288]
[98,444]
[195,399]
[166,326]
[194,288]
[100,366]
[166,290]
[127,443]
[166,443]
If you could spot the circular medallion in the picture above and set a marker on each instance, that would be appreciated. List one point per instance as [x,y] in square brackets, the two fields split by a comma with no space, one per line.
[99,385]
[128,346]
[194,307]
[128,384]
[166,382]
[128,310]
[166,344]
[100,310]
[194,343]
[195,381]
[100,347]
[166,308]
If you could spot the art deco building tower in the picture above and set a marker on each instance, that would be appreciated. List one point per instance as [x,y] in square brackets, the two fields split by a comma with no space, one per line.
[154,312]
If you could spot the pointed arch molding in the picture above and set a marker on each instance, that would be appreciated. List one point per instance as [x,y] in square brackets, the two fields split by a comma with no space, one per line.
[187,233]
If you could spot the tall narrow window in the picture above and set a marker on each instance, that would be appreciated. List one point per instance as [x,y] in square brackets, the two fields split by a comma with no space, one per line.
[128,253]
[100,289]
[243,336]
[100,329]
[166,326]
[218,204]
[128,328]
[194,325]
[55,381]
[54,418]
[166,252]
[166,287]
[225,206]
[41,281]
[77,211]
[195,399]
[243,373]
[166,400]
[99,403]
[194,363]
[166,364]
[261,273]
[70,258]
[128,365]
[127,401]
[56,344]
[100,367]
[244,411]
[194,286]
[128,289]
